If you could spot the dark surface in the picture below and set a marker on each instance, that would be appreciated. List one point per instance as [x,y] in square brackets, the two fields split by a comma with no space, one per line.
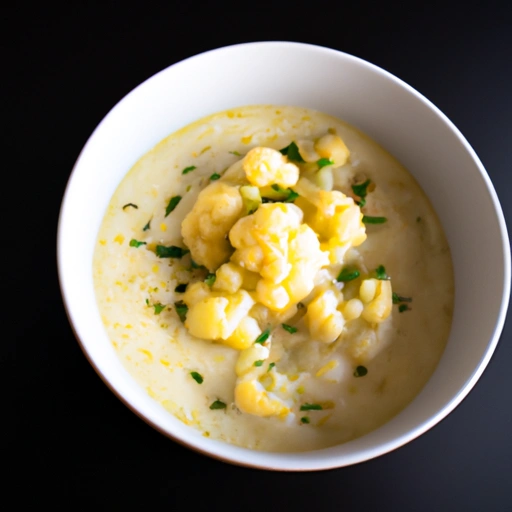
[78,442]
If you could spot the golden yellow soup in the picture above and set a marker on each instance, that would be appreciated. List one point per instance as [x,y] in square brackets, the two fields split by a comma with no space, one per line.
[275,279]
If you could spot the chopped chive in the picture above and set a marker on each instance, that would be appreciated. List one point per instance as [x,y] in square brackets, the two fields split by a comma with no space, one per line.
[181,310]
[130,204]
[402,308]
[361,189]
[188,188]
[360,371]
[210,279]
[347,275]
[270,366]
[263,337]
[197,377]
[136,243]
[218,404]
[181,288]
[289,328]
[380,273]
[292,151]
[188,169]
[170,252]
[158,308]
[291,196]
[147,226]
[214,176]
[304,419]
[324,162]
[147,302]
[361,203]
[367,219]
[311,407]
[258,363]
[173,202]
[398,298]
[236,153]
[196,265]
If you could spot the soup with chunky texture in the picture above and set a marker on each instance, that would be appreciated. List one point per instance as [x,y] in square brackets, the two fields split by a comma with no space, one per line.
[274,278]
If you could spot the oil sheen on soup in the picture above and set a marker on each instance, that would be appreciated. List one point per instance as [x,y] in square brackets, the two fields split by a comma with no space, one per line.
[275,279]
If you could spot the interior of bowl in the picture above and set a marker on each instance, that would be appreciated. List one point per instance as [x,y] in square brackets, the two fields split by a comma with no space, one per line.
[389,111]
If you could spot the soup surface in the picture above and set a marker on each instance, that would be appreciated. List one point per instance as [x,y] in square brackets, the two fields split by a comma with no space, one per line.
[275,279]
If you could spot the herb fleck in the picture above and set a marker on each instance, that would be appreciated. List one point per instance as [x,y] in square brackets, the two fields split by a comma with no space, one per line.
[173,202]
[311,407]
[258,363]
[181,310]
[263,337]
[147,226]
[347,275]
[136,243]
[398,298]
[197,377]
[360,371]
[270,366]
[289,328]
[324,162]
[214,176]
[380,273]
[210,279]
[361,189]
[158,308]
[304,419]
[367,219]
[188,169]
[218,404]
[170,252]
[130,204]
[292,151]
[402,308]
[236,153]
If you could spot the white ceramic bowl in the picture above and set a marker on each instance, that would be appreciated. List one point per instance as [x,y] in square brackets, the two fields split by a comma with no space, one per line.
[387,109]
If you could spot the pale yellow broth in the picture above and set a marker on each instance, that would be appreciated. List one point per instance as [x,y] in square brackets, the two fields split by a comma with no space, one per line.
[159,353]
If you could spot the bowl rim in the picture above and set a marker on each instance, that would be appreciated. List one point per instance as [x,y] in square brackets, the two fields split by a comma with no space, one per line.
[368,453]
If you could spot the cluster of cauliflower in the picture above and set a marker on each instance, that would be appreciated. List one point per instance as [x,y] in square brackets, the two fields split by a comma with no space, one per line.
[266,241]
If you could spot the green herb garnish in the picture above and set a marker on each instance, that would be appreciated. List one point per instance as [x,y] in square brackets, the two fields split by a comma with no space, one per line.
[380,273]
[311,407]
[263,337]
[398,298]
[304,419]
[361,203]
[361,189]
[289,195]
[195,265]
[214,176]
[402,308]
[270,366]
[347,275]
[173,202]
[158,308]
[188,169]
[197,377]
[147,226]
[218,404]
[324,162]
[292,152]
[210,279]
[236,153]
[136,243]
[181,288]
[130,204]
[258,363]
[170,252]
[360,371]
[374,220]
[181,310]
[289,328]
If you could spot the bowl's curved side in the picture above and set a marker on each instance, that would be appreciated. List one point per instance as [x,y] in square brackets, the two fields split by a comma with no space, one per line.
[375,101]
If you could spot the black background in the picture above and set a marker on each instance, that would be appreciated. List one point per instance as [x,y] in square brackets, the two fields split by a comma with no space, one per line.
[68,65]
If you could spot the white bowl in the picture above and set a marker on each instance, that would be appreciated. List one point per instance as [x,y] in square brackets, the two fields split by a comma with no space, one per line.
[387,109]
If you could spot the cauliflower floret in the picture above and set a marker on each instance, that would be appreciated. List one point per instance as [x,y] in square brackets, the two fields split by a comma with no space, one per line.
[204,229]
[244,335]
[266,166]
[285,253]
[332,147]
[249,356]
[252,398]
[323,319]
[229,278]
[376,296]
[215,317]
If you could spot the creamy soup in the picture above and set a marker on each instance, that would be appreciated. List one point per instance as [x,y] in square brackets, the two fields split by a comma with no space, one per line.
[275,279]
